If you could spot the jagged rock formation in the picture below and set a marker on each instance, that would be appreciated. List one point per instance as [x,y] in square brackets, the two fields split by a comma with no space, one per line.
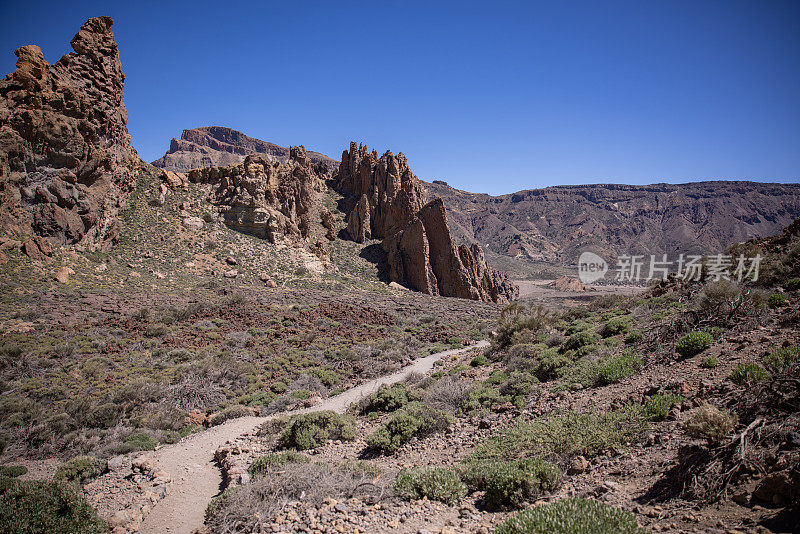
[269,199]
[65,156]
[556,224]
[213,146]
[385,200]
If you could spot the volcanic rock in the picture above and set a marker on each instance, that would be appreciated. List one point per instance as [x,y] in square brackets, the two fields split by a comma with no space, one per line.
[217,146]
[384,200]
[65,156]
[267,198]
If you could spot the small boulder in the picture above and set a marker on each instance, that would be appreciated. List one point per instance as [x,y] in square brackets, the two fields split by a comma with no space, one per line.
[62,275]
[230,260]
[193,223]
[233,273]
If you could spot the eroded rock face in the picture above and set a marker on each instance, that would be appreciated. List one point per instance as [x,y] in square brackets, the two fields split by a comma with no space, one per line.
[385,200]
[217,146]
[269,199]
[65,156]
[386,193]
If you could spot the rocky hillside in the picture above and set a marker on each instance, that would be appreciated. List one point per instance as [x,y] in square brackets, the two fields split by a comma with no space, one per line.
[65,154]
[556,223]
[212,146]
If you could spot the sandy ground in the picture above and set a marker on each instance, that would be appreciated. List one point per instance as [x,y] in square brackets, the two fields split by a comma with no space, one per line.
[542,291]
[196,477]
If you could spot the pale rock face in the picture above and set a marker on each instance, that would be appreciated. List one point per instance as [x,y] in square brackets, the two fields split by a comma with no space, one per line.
[384,200]
[268,199]
[66,162]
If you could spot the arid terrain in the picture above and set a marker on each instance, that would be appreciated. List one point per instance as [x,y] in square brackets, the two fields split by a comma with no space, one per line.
[242,337]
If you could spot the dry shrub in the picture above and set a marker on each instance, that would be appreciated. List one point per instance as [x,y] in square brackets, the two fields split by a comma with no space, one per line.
[248,507]
[710,423]
[193,391]
[448,394]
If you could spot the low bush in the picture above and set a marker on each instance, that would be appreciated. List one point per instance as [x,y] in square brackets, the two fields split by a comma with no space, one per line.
[709,363]
[266,462]
[415,419]
[709,423]
[81,469]
[511,483]
[564,436]
[578,340]
[388,399]
[232,412]
[36,506]
[571,516]
[782,358]
[748,373]
[12,471]
[312,430]
[615,327]
[776,300]
[139,441]
[634,337]
[618,367]
[480,398]
[657,407]
[437,484]
[694,343]
[479,361]
[550,364]
[792,284]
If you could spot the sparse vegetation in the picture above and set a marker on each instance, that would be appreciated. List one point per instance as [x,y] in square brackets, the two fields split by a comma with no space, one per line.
[694,343]
[570,516]
[511,483]
[81,469]
[414,420]
[710,423]
[437,484]
[311,430]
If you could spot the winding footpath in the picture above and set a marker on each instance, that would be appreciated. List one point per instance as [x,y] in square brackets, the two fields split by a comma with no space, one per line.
[196,479]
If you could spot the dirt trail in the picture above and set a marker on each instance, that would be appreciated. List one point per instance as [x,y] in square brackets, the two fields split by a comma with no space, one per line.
[196,477]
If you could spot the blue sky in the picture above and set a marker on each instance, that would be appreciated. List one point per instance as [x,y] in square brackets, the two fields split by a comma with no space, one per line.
[491,96]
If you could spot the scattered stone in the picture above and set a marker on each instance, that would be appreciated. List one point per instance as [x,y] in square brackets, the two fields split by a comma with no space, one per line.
[62,275]
[193,223]
[233,273]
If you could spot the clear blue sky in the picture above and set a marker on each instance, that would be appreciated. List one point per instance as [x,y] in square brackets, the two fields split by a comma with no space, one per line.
[490,96]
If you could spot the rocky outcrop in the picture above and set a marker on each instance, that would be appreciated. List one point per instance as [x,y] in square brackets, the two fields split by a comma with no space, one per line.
[269,199]
[424,257]
[215,146]
[386,193]
[65,156]
[384,200]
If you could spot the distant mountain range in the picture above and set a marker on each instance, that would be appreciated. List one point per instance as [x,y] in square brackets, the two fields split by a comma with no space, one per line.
[555,224]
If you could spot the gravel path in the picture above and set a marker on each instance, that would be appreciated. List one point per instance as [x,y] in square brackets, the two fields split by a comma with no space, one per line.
[196,478]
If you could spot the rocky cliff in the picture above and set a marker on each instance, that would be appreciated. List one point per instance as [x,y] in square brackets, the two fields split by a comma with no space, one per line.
[383,199]
[212,146]
[555,224]
[65,156]
[270,199]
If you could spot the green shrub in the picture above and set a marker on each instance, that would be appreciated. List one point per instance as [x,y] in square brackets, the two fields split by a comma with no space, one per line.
[782,358]
[437,484]
[388,399]
[311,430]
[266,462]
[550,364]
[709,363]
[518,387]
[232,412]
[37,506]
[618,367]
[279,387]
[792,284]
[657,407]
[481,397]
[12,471]
[81,469]
[156,330]
[139,441]
[415,419]
[579,340]
[748,373]
[615,326]
[511,483]
[574,515]
[479,361]
[634,337]
[776,300]
[709,423]
[694,343]
[564,436]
